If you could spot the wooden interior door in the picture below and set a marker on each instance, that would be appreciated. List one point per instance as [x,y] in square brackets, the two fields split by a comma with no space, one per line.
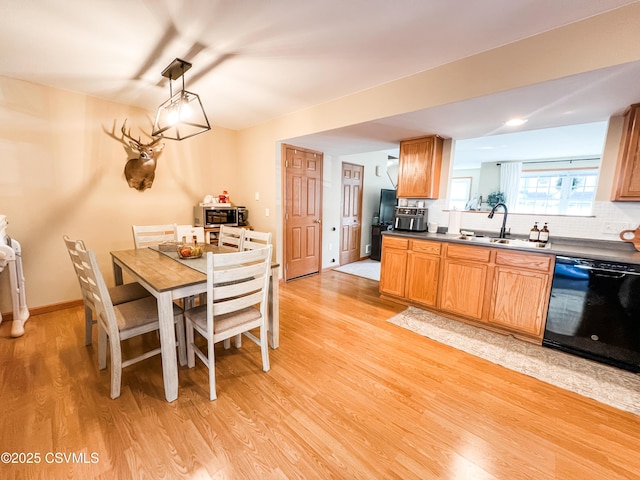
[302,212]
[351,216]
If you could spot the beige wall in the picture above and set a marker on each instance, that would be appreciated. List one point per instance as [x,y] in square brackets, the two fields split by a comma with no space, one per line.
[61,174]
[598,42]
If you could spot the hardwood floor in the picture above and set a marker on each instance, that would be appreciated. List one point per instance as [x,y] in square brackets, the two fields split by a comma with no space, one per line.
[348,396]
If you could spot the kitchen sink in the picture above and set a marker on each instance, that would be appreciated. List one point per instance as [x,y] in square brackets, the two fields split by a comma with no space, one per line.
[507,242]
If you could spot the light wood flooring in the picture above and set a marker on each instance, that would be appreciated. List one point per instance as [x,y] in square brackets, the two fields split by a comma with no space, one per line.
[349,396]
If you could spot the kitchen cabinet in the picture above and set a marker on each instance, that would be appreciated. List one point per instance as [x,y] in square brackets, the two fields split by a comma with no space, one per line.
[627,176]
[419,167]
[423,271]
[463,281]
[520,292]
[496,288]
[393,268]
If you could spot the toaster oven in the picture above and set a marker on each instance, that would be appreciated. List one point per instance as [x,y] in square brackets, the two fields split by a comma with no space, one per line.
[210,217]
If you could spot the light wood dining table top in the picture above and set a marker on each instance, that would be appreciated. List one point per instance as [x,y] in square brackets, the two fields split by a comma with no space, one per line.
[161,271]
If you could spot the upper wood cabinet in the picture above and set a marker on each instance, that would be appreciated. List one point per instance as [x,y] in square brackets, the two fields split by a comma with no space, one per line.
[419,167]
[627,177]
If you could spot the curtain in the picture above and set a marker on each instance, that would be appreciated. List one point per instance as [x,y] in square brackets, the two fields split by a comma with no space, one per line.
[509,182]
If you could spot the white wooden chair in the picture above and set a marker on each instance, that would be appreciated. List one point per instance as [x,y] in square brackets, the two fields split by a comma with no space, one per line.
[188,232]
[119,294]
[120,322]
[152,235]
[231,237]
[254,240]
[237,288]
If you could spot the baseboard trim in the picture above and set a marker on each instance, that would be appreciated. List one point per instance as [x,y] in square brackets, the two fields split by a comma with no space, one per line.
[54,307]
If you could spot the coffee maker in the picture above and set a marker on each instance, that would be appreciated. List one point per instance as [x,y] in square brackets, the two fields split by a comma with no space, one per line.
[243,216]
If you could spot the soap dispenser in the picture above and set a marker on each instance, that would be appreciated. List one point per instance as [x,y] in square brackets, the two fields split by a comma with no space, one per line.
[534,233]
[544,234]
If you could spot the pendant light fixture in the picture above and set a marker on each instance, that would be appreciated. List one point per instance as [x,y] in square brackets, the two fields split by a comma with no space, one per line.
[182,116]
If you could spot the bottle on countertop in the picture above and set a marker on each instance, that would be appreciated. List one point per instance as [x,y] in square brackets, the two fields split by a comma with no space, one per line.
[544,234]
[534,233]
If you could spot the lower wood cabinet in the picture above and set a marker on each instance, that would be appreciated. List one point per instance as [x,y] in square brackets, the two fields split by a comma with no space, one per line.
[423,271]
[501,289]
[464,276]
[393,271]
[520,292]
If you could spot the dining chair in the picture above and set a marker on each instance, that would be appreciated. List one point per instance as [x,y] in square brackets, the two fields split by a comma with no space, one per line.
[117,323]
[119,293]
[188,232]
[254,240]
[237,286]
[152,235]
[231,237]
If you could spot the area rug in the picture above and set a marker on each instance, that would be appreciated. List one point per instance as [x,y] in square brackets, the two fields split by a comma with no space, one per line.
[364,268]
[609,385]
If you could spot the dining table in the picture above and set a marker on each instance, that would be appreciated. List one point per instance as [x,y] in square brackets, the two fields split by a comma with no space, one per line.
[168,277]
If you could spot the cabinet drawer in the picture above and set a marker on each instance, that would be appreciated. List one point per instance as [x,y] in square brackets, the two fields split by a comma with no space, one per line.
[541,263]
[464,252]
[395,242]
[425,246]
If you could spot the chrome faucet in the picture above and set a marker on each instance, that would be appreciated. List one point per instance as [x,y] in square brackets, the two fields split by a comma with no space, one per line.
[503,230]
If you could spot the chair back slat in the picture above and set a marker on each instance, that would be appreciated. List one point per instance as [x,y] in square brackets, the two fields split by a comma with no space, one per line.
[237,280]
[231,237]
[92,284]
[152,235]
[254,240]
[75,260]
[188,232]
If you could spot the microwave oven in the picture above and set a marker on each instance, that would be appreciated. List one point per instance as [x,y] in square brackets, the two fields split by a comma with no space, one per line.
[210,217]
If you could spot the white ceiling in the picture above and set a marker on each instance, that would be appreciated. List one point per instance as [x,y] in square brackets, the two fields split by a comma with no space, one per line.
[254,60]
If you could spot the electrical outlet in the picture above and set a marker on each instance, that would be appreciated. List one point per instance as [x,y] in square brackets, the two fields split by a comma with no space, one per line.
[367,248]
[613,228]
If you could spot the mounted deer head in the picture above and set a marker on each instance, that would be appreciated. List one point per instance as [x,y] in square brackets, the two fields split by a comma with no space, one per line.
[140,172]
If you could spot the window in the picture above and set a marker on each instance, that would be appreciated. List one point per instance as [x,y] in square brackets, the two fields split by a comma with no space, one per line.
[559,192]
[460,193]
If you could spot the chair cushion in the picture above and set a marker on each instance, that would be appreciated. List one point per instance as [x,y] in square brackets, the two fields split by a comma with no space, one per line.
[139,312]
[127,293]
[198,315]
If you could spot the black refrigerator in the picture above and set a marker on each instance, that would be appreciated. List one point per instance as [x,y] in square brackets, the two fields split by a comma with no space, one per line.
[388,202]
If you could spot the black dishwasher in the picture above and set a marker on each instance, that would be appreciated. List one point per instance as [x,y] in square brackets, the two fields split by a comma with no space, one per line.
[594,311]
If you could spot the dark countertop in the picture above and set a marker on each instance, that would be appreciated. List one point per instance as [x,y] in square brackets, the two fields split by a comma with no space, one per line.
[570,247]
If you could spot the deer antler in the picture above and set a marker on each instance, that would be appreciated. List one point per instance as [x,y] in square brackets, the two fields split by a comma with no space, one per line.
[127,134]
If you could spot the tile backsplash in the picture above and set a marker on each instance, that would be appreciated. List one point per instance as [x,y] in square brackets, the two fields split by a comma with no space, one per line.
[607,217]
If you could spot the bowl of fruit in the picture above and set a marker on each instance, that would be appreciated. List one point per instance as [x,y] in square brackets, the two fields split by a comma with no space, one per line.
[190,250]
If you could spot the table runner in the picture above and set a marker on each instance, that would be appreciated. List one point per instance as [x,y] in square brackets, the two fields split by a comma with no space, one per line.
[199,264]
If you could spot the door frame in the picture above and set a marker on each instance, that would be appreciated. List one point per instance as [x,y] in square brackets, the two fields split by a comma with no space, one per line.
[359,216]
[283,181]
